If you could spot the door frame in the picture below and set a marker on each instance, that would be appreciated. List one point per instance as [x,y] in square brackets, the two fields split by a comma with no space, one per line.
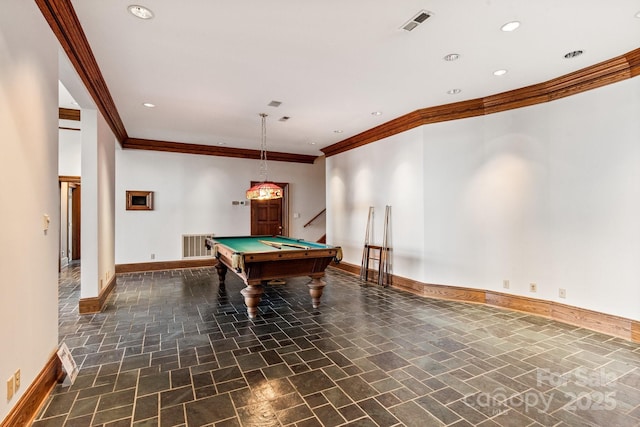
[76,222]
[73,233]
[284,215]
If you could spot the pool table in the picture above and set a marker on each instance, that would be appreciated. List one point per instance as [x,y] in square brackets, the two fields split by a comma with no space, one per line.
[258,259]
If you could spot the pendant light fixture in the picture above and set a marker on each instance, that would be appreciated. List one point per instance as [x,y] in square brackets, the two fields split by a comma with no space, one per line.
[265,190]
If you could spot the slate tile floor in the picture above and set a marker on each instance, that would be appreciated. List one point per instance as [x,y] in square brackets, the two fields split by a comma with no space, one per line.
[173,348]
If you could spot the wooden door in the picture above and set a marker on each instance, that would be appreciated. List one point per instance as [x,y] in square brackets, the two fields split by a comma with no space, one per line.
[75,223]
[266,217]
[269,217]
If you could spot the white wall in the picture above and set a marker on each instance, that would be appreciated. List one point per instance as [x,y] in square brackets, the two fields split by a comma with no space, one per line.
[485,184]
[106,202]
[594,166]
[29,181]
[548,194]
[97,204]
[69,150]
[386,173]
[193,194]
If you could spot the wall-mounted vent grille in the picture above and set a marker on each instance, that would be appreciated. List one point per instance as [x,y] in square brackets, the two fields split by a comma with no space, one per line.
[193,246]
[418,19]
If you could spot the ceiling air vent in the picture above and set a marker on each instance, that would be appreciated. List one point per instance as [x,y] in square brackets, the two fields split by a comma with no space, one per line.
[573,54]
[274,104]
[418,19]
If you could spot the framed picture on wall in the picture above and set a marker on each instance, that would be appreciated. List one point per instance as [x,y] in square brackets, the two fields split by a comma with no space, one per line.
[139,200]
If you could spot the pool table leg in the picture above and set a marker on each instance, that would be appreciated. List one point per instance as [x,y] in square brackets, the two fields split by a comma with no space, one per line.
[222,271]
[252,295]
[316,286]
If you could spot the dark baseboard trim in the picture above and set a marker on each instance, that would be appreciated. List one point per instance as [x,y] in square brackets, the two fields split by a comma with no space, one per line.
[95,304]
[349,268]
[635,331]
[165,265]
[600,322]
[29,404]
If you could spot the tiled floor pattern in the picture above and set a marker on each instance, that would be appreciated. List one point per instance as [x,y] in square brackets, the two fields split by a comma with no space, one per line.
[173,348]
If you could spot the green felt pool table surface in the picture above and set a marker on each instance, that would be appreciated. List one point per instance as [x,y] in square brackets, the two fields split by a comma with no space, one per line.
[245,244]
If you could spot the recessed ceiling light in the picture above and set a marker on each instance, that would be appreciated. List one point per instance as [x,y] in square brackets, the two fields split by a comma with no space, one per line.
[454,91]
[501,72]
[149,105]
[140,11]
[638,15]
[312,143]
[376,113]
[338,131]
[510,26]
[573,54]
[451,57]
[222,143]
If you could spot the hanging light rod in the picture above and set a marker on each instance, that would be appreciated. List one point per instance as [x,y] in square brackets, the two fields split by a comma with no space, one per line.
[265,190]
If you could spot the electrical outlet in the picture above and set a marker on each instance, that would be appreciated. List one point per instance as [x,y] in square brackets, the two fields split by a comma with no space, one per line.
[153,256]
[533,287]
[562,293]
[10,389]
[505,284]
[16,380]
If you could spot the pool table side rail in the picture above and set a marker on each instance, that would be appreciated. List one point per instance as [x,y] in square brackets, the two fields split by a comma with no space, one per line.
[219,246]
[255,272]
[239,261]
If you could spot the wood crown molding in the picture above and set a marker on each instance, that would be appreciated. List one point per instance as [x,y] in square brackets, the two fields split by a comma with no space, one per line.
[600,322]
[64,22]
[29,404]
[633,58]
[68,114]
[211,150]
[614,70]
[65,25]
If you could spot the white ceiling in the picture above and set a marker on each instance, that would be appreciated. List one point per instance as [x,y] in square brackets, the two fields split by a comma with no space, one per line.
[212,66]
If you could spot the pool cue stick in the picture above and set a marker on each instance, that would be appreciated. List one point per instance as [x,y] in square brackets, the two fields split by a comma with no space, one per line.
[272,244]
[293,245]
[280,245]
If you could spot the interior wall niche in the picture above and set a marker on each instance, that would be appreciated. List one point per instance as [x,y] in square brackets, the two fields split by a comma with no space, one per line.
[139,200]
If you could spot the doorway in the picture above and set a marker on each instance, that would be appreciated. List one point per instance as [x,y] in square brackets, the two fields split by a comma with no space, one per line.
[70,199]
[74,229]
[271,217]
